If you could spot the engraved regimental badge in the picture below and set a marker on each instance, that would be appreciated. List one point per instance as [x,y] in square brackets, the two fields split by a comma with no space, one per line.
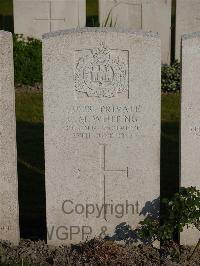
[101,72]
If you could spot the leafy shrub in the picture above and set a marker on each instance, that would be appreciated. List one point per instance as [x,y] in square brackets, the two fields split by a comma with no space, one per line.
[182,210]
[171,77]
[27,60]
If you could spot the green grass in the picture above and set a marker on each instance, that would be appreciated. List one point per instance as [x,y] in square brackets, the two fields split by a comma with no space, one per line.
[6,7]
[170,107]
[92,10]
[29,107]
[30,143]
[92,7]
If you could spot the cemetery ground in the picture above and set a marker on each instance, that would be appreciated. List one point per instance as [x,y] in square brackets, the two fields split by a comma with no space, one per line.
[30,141]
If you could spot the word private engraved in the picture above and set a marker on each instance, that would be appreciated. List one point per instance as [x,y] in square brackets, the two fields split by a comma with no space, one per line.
[101,72]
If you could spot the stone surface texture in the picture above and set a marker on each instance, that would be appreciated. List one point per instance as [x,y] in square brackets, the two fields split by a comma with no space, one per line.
[146,15]
[187,20]
[36,17]
[190,122]
[9,220]
[102,131]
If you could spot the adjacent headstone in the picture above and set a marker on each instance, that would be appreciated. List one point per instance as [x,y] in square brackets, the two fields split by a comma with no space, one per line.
[102,131]
[36,17]
[9,220]
[187,20]
[146,15]
[190,122]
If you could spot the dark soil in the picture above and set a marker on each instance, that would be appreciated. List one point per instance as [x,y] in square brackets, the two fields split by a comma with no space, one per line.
[95,252]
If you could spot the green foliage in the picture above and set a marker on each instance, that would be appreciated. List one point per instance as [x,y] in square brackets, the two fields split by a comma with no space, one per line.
[171,76]
[27,60]
[29,107]
[92,7]
[182,210]
[170,108]
[92,21]
[92,11]
[6,7]
[150,229]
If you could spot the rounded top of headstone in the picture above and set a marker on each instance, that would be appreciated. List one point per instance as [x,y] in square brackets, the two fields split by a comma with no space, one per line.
[99,30]
[5,34]
[192,35]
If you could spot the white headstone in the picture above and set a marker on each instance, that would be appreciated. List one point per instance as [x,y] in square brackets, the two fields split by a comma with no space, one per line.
[190,122]
[9,220]
[36,17]
[146,15]
[187,20]
[102,130]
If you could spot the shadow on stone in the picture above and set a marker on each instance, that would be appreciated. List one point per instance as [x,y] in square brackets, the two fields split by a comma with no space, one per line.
[30,142]
[124,232]
[169,159]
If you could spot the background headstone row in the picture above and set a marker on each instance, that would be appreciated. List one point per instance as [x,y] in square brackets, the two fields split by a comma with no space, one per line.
[35,17]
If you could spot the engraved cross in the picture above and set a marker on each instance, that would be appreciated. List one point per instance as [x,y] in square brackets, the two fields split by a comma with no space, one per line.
[50,19]
[104,171]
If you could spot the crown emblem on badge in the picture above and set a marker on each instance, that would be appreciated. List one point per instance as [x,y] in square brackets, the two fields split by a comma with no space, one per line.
[101,53]
[101,72]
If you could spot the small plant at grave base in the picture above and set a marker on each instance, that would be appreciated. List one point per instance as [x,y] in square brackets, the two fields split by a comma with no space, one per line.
[171,76]
[182,210]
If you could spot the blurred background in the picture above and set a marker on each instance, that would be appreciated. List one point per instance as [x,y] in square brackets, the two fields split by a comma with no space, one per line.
[6,14]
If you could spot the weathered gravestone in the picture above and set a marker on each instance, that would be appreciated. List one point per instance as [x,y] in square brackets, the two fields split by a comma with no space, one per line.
[146,15]
[35,17]
[187,20]
[9,224]
[190,121]
[102,130]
